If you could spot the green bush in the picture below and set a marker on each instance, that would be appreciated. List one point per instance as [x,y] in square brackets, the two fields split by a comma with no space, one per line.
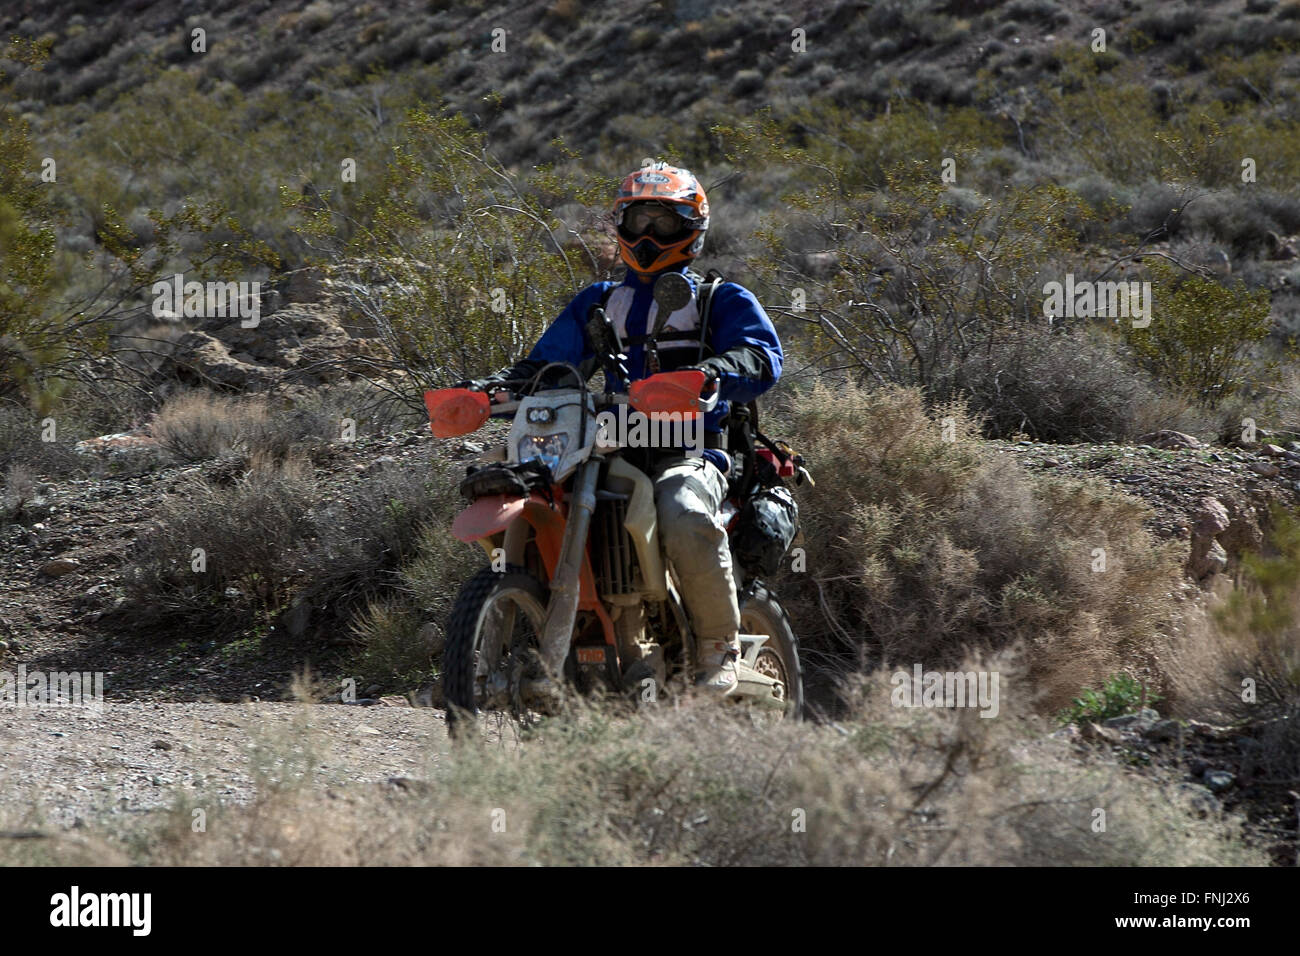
[32,342]
[458,263]
[1201,333]
[1118,696]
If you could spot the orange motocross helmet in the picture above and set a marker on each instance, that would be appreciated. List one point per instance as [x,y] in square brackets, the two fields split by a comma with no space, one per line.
[650,240]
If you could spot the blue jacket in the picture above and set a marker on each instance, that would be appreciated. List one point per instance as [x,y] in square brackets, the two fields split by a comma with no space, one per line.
[746,351]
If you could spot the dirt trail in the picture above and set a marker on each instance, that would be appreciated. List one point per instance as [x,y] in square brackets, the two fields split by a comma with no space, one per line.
[64,765]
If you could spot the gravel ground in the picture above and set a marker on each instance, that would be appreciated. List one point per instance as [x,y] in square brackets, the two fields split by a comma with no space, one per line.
[65,765]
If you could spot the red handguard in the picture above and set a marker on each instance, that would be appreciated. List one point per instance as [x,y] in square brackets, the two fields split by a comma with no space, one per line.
[668,392]
[456,411]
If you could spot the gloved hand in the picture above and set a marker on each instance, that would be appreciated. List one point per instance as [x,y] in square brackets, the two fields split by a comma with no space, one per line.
[711,377]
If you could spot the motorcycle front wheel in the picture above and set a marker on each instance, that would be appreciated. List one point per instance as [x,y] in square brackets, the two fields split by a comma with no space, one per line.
[493,638]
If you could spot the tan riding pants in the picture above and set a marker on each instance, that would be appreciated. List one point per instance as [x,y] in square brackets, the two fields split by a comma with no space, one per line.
[688,494]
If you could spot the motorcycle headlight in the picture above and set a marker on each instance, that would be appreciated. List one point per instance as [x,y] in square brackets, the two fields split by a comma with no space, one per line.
[549,448]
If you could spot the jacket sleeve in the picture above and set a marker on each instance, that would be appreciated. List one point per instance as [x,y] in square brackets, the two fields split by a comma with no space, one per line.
[747,351]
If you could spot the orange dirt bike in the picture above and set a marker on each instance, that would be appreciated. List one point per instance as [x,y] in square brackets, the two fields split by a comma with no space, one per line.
[578,590]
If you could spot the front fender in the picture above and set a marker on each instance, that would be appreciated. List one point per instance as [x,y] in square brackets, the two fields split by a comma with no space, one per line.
[492,514]
[489,515]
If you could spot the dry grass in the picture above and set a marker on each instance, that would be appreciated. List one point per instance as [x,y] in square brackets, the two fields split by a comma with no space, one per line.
[202,425]
[697,785]
[195,426]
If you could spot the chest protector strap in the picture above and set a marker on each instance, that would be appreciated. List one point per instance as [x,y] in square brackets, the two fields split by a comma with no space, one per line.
[706,286]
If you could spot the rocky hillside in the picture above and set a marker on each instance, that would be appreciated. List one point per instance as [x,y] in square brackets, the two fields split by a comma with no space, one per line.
[599,73]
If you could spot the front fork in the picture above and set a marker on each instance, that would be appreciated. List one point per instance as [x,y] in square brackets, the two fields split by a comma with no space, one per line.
[566,582]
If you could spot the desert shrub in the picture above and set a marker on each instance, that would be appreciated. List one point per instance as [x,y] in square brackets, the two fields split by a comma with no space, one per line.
[1201,333]
[269,535]
[746,82]
[402,630]
[389,534]
[1047,12]
[1153,209]
[219,553]
[1240,221]
[1266,611]
[1103,197]
[474,292]
[1201,250]
[82,46]
[89,406]
[393,654]
[17,488]
[1286,316]
[863,152]
[35,343]
[374,411]
[57,308]
[731,232]
[1249,34]
[199,425]
[926,83]
[1057,386]
[1133,132]
[893,16]
[919,548]
[317,15]
[1168,22]
[1282,208]
[248,71]
[21,442]
[928,295]
[194,426]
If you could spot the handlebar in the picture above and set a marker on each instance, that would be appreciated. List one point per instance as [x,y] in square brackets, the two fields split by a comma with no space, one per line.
[531,385]
[461,410]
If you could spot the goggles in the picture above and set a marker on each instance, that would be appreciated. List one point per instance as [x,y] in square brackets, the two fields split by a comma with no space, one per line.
[640,218]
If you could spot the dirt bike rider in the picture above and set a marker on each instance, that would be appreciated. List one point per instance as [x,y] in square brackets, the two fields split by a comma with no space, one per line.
[661,214]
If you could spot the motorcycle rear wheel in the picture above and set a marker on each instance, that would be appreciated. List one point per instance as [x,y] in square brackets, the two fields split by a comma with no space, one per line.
[493,636]
[761,613]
